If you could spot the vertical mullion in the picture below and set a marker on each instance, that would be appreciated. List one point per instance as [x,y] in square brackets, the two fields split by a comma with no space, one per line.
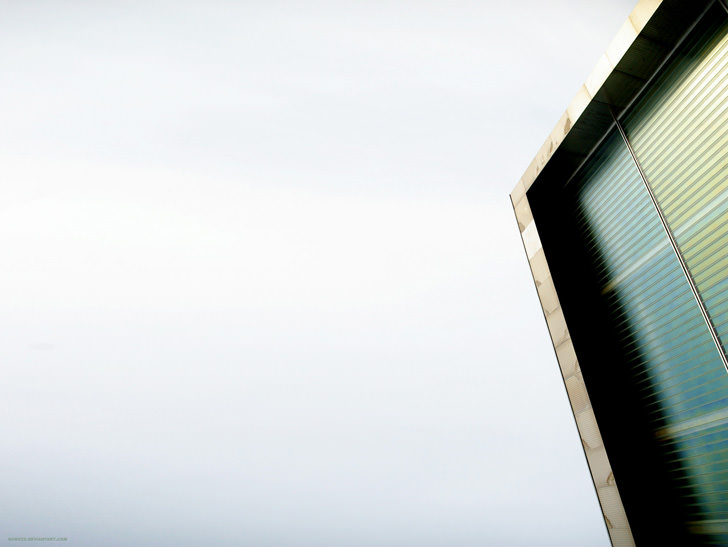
[673,243]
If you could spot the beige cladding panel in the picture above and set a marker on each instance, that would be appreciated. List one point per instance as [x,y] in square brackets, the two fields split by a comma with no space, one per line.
[612,506]
[557,326]
[518,193]
[579,103]
[576,390]
[563,126]
[531,241]
[567,358]
[548,296]
[599,75]
[642,13]
[600,468]
[619,46]
[523,213]
[588,429]
[577,393]
[539,268]
[621,537]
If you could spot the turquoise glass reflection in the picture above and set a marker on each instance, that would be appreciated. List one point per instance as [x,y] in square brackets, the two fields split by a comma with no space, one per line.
[669,350]
[679,132]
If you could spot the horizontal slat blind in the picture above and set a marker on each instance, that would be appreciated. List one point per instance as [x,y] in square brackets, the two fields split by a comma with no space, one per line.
[667,345]
[680,136]
[679,133]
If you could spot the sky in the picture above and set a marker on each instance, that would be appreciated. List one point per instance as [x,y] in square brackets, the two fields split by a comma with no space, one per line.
[262,284]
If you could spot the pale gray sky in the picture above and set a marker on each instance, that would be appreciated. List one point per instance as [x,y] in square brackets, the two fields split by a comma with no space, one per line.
[261,281]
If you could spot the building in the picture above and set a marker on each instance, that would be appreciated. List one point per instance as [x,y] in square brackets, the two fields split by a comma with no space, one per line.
[624,218]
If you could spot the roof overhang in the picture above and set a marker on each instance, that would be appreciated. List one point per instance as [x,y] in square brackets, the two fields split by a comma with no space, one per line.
[643,43]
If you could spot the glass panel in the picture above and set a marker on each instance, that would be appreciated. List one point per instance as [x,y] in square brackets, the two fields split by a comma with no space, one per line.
[679,132]
[668,349]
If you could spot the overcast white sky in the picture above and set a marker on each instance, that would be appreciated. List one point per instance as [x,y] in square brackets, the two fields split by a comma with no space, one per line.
[261,281]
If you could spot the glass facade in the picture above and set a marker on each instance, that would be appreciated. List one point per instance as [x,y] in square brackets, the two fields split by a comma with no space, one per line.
[679,137]
[669,353]
[679,133]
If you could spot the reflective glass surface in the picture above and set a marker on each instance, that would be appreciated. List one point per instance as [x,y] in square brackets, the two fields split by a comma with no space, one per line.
[667,345]
[679,133]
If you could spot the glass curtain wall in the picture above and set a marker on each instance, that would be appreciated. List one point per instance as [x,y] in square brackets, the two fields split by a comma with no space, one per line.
[679,136]
[679,133]
[668,348]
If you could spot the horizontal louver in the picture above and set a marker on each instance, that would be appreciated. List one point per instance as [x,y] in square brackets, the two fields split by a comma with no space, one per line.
[680,136]
[666,342]
[679,133]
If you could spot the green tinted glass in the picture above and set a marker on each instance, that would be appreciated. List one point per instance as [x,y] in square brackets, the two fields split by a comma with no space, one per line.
[679,133]
[666,342]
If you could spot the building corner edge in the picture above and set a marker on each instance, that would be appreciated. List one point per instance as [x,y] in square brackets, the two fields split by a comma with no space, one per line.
[615,517]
